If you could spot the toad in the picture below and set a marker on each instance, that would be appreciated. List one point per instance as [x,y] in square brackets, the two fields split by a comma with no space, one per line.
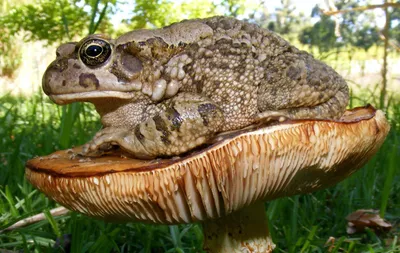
[163,92]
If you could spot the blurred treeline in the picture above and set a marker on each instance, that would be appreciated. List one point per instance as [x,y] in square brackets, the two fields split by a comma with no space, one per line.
[327,29]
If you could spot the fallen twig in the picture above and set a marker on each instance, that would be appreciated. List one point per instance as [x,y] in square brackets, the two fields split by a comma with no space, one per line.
[36,218]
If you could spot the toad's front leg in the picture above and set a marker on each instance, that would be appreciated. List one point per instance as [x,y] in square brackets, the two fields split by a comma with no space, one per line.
[187,121]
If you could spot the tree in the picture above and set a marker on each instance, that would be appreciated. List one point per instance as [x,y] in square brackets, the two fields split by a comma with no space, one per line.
[395,29]
[46,20]
[284,20]
[385,33]
[358,29]
[320,35]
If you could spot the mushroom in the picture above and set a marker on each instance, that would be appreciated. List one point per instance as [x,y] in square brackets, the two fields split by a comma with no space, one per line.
[222,185]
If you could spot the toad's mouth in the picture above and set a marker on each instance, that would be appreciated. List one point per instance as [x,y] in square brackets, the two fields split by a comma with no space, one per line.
[89,96]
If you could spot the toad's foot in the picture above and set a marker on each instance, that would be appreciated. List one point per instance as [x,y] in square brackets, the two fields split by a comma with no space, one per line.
[106,138]
[188,121]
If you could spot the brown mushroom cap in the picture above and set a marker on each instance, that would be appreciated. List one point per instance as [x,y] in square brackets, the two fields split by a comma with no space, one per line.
[240,169]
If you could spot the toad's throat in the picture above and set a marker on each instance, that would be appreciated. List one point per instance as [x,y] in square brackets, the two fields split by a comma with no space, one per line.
[89,96]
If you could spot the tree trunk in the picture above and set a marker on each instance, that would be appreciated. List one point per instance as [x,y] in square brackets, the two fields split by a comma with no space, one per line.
[382,101]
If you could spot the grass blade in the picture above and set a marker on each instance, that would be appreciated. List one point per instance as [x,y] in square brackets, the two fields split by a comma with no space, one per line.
[392,157]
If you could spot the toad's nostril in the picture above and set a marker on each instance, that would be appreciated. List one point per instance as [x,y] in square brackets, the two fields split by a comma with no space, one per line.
[61,64]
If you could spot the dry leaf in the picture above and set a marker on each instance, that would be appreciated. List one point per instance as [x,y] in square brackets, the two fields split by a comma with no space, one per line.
[360,219]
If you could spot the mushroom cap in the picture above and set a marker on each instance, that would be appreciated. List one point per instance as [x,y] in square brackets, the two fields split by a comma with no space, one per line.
[236,171]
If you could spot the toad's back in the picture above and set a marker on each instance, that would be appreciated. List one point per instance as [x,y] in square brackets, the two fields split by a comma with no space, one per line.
[248,70]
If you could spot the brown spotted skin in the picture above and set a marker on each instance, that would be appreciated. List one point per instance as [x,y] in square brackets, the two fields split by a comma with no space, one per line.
[87,80]
[163,92]
[186,121]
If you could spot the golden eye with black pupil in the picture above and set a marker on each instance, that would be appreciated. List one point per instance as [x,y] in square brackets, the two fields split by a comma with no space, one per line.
[95,52]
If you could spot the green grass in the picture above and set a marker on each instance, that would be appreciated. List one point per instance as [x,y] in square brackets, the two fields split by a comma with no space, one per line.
[34,126]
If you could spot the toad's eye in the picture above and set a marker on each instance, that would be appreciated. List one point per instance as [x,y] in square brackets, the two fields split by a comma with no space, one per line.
[95,52]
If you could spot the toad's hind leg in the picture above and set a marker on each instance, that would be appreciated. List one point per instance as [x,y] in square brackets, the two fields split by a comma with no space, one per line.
[331,109]
[301,87]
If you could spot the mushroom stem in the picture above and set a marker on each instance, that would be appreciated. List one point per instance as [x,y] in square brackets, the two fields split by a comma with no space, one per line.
[242,231]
